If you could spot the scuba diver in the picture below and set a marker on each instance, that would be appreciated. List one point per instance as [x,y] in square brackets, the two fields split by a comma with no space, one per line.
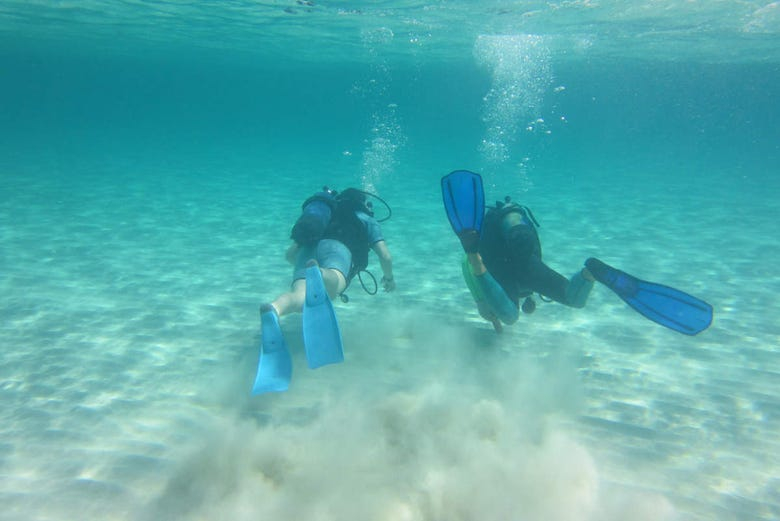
[503,265]
[331,240]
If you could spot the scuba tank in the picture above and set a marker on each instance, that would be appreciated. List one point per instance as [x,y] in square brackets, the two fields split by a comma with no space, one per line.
[518,230]
[512,214]
[320,209]
[315,218]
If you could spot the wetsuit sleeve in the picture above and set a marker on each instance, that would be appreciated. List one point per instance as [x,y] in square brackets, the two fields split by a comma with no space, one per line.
[490,296]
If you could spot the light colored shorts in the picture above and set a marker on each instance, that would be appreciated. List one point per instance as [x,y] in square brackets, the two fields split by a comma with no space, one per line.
[329,253]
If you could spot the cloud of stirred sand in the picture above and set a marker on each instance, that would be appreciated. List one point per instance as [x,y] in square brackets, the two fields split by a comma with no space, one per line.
[419,424]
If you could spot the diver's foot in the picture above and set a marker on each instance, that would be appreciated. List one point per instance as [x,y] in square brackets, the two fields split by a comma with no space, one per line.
[469,239]
[497,327]
[266,307]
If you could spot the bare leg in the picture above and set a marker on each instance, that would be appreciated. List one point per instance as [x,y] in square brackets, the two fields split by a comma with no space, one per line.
[292,301]
[334,280]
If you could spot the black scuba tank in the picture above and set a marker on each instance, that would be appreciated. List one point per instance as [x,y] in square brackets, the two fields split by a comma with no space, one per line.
[315,217]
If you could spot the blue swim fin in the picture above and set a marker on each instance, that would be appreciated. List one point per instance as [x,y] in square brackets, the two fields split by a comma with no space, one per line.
[664,305]
[274,368]
[464,202]
[321,333]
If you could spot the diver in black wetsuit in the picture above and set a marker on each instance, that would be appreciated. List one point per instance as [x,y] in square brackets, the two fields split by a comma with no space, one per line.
[505,265]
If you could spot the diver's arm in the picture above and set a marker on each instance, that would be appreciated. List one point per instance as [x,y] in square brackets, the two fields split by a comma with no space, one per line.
[386,262]
[292,253]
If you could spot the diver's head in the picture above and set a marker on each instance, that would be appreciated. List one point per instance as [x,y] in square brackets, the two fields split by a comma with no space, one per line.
[353,195]
[521,242]
[357,199]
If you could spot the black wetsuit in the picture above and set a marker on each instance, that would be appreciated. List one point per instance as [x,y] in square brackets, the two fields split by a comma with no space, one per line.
[512,253]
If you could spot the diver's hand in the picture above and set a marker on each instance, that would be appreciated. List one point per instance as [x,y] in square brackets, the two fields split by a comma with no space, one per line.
[292,253]
[469,239]
[388,283]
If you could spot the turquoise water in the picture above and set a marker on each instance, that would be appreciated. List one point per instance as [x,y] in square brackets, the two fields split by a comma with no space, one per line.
[154,157]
